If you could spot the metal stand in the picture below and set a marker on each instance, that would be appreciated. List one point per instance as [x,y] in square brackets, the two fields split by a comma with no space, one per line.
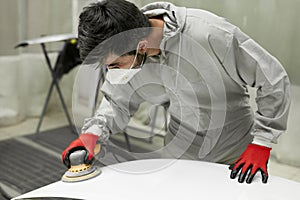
[55,75]
[56,84]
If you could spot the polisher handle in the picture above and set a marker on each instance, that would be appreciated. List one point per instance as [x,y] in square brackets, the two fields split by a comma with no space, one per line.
[77,157]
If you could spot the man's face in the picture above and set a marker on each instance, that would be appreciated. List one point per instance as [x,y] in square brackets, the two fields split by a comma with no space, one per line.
[114,61]
[120,69]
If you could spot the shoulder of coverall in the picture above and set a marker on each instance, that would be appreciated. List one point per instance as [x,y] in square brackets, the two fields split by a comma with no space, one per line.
[215,31]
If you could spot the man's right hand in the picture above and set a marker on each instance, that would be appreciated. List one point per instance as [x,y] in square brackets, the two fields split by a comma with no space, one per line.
[86,141]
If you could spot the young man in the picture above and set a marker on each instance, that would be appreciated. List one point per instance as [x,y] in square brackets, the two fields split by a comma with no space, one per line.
[198,66]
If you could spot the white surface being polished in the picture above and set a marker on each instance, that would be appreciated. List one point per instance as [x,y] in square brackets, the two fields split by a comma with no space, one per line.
[169,179]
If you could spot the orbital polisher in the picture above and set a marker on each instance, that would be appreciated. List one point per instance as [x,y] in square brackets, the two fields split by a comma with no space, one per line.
[79,171]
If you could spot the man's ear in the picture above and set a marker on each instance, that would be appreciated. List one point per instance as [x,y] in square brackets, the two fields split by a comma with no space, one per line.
[142,46]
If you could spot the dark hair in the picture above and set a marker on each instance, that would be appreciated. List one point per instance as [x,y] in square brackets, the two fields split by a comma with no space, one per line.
[100,21]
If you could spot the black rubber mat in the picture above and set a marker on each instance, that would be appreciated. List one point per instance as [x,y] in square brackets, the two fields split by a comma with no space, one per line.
[56,139]
[25,168]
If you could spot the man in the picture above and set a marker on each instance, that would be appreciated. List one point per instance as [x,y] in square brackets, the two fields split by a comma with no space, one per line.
[198,66]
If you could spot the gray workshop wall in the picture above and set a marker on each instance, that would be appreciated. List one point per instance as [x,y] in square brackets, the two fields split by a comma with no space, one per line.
[275,24]
[8,26]
[25,19]
[24,77]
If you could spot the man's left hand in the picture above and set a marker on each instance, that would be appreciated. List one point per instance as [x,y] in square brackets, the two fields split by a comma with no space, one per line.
[255,158]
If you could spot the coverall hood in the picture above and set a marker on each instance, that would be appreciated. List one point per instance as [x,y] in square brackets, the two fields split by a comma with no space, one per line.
[174,16]
[174,21]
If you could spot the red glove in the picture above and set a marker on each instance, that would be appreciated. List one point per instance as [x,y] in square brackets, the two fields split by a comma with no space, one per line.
[85,141]
[255,158]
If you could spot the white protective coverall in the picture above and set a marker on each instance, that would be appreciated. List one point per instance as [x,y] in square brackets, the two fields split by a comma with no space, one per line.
[204,89]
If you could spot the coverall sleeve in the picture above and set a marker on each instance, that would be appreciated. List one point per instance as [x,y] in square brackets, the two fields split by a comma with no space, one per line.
[252,65]
[113,114]
[247,63]
[98,123]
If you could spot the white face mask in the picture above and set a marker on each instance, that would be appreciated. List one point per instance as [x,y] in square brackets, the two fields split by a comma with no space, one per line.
[121,76]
